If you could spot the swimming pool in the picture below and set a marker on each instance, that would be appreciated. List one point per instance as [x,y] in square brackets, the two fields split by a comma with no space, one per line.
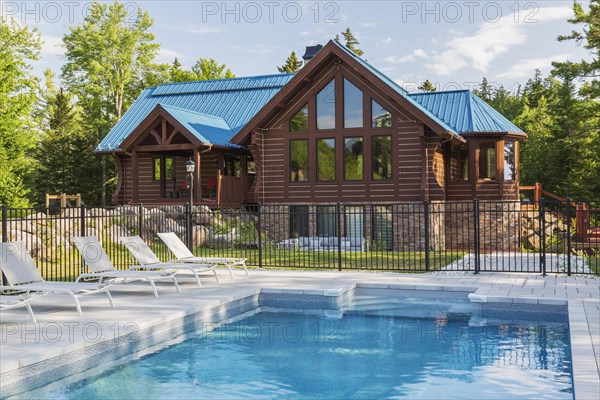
[367,346]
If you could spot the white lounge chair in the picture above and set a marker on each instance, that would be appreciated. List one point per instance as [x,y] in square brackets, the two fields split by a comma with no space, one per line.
[15,301]
[184,255]
[100,267]
[23,276]
[148,260]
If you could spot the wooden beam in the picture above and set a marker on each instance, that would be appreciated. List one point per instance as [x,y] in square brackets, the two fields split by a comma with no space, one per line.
[171,136]
[163,131]
[473,165]
[134,169]
[166,147]
[500,167]
[156,136]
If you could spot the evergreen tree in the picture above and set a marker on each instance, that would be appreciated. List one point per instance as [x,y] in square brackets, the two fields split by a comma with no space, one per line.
[351,42]
[427,86]
[209,68]
[292,64]
[485,91]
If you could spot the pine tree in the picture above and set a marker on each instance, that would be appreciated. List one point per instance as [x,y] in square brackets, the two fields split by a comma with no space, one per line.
[292,64]
[351,42]
[427,86]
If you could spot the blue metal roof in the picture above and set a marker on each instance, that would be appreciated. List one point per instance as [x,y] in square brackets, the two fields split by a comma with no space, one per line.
[234,101]
[465,112]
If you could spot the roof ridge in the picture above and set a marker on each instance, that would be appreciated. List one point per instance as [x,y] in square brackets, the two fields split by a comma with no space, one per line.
[217,80]
[191,111]
[440,92]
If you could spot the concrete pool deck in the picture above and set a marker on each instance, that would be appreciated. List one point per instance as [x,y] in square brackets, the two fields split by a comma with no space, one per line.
[60,331]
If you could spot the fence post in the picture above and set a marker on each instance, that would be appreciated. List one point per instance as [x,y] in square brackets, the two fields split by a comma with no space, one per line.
[189,235]
[543,235]
[4,223]
[140,219]
[259,223]
[426,212]
[476,243]
[568,217]
[82,231]
[339,234]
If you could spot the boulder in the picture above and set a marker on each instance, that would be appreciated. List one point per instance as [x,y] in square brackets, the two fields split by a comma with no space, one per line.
[34,244]
[201,234]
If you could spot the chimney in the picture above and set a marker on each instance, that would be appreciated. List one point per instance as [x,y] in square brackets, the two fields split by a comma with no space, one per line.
[310,52]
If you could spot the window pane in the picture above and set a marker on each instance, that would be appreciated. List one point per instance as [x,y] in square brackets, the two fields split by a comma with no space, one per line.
[383,231]
[354,217]
[298,221]
[250,165]
[353,159]
[299,122]
[487,160]
[326,221]
[326,107]
[381,153]
[459,164]
[169,168]
[156,169]
[380,117]
[298,160]
[509,161]
[326,159]
[353,106]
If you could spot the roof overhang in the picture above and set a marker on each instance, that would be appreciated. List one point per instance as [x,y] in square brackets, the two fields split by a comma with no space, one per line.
[490,135]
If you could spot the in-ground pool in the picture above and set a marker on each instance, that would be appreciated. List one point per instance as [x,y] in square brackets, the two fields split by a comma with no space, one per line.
[367,347]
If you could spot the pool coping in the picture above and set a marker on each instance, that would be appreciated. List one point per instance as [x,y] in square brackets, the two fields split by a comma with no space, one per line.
[586,379]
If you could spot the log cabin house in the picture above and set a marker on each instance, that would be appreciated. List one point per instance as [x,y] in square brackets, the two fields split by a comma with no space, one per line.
[336,131]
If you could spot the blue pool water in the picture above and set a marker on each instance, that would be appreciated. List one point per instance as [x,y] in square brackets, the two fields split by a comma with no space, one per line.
[372,348]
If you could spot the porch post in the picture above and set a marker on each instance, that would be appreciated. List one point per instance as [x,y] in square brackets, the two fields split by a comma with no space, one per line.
[198,186]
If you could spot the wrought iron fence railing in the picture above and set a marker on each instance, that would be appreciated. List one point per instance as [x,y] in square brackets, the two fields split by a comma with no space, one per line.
[477,236]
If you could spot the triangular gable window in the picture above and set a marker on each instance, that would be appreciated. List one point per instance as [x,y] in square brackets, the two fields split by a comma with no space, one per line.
[353,106]
[380,117]
[299,122]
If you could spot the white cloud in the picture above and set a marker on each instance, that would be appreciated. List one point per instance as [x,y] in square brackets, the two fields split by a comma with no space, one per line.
[199,29]
[305,33]
[490,41]
[260,49]
[169,55]
[367,24]
[418,53]
[384,41]
[52,45]
[525,67]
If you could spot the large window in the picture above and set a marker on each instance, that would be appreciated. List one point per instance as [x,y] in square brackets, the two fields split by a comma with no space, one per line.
[298,221]
[383,228]
[381,156]
[299,160]
[459,164]
[299,122]
[510,169]
[326,221]
[326,159]
[326,107]
[380,117]
[353,106]
[487,160]
[353,158]
[354,217]
[160,169]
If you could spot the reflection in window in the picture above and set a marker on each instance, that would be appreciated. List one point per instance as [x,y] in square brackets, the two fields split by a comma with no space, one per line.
[298,160]
[299,122]
[326,221]
[487,160]
[326,159]
[232,166]
[298,221]
[510,172]
[380,117]
[168,168]
[250,165]
[459,164]
[354,217]
[383,229]
[353,159]
[353,106]
[381,155]
[326,107]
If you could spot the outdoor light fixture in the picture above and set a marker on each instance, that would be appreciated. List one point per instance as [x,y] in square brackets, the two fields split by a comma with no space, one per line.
[190,167]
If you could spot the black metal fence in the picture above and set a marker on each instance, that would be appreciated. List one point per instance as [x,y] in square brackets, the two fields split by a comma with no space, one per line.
[475,236]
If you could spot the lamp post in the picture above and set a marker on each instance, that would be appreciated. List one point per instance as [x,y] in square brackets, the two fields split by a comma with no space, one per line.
[190,167]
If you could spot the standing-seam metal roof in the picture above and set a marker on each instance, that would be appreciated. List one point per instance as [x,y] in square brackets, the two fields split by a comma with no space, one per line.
[465,112]
[234,100]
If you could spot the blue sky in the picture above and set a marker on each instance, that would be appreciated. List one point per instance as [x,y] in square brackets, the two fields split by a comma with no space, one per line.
[453,44]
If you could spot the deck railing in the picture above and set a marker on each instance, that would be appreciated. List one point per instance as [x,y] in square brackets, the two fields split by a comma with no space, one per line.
[476,236]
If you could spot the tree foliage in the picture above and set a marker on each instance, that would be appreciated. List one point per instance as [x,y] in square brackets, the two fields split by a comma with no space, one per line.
[292,64]
[18,47]
[351,42]
[426,86]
